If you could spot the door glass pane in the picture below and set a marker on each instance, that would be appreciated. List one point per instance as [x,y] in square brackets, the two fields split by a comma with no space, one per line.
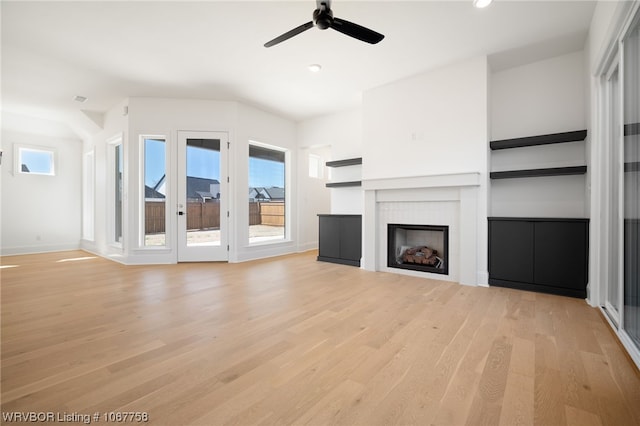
[631,317]
[203,192]
[154,192]
[266,194]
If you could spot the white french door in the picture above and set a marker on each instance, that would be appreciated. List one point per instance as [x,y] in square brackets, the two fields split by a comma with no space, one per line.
[203,196]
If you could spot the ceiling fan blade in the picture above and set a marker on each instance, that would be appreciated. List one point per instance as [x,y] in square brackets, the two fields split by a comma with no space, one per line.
[289,34]
[356,31]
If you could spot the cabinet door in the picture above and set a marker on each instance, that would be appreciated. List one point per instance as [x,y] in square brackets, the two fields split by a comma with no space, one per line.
[329,238]
[561,254]
[511,250]
[351,238]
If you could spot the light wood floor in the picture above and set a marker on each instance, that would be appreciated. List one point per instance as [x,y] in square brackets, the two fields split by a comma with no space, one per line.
[294,341]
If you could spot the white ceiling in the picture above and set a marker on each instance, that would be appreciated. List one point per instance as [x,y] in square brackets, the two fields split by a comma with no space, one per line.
[107,51]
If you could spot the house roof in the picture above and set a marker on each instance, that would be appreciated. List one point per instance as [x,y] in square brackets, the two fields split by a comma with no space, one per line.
[275,193]
[199,188]
[53,51]
[271,193]
[152,193]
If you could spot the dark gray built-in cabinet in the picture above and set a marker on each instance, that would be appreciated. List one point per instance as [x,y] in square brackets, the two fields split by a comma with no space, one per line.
[340,238]
[539,254]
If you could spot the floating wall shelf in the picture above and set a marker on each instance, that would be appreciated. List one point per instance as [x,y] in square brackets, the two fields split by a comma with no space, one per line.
[549,139]
[343,184]
[555,171]
[343,163]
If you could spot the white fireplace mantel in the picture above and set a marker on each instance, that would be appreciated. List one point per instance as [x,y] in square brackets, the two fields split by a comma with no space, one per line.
[458,192]
[426,181]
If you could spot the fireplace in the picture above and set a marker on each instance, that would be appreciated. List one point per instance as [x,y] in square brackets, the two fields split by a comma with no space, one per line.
[422,248]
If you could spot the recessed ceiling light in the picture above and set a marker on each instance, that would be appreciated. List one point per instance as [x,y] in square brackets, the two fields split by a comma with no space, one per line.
[481,3]
[80,99]
[315,67]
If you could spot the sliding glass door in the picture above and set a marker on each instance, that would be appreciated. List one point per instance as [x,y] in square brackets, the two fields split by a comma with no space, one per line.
[620,186]
[631,185]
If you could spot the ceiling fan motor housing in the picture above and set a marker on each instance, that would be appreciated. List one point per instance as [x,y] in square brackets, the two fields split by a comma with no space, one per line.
[323,18]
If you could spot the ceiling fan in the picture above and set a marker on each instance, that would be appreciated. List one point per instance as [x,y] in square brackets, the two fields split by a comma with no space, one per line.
[323,19]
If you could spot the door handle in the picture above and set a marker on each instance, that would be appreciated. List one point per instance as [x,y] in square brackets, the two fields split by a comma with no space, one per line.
[180,213]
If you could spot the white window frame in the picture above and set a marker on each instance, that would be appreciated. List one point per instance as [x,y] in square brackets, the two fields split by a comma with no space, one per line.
[19,148]
[287,193]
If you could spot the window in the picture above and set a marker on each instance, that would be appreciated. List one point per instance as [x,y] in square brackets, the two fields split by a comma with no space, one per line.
[154,188]
[35,160]
[267,190]
[115,157]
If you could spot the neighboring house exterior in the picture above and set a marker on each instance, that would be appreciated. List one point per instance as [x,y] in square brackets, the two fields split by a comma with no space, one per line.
[199,190]
[202,189]
[273,193]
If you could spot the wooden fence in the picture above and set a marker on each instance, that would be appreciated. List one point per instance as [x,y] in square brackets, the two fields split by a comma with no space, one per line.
[154,217]
[203,215]
[207,215]
[271,213]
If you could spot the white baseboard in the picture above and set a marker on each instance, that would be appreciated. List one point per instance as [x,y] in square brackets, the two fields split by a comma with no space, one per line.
[11,251]
[307,246]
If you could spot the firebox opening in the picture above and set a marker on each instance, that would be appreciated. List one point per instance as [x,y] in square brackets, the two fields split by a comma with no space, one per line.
[422,248]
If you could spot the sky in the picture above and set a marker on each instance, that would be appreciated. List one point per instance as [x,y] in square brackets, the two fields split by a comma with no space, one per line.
[205,163]
[37,161]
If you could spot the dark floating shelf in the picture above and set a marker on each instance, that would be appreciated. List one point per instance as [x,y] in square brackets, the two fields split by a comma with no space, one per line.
[552,138]
[343,184]
[555,171]
[632,129]
[633,166]
[343,163]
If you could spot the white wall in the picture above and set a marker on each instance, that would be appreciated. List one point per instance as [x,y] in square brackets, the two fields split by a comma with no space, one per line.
[341,131]
[432,123]
[314,197]
[539,98]
[40,213]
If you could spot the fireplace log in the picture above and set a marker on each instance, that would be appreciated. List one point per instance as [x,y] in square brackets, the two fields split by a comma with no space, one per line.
[427,251]
[432,260]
